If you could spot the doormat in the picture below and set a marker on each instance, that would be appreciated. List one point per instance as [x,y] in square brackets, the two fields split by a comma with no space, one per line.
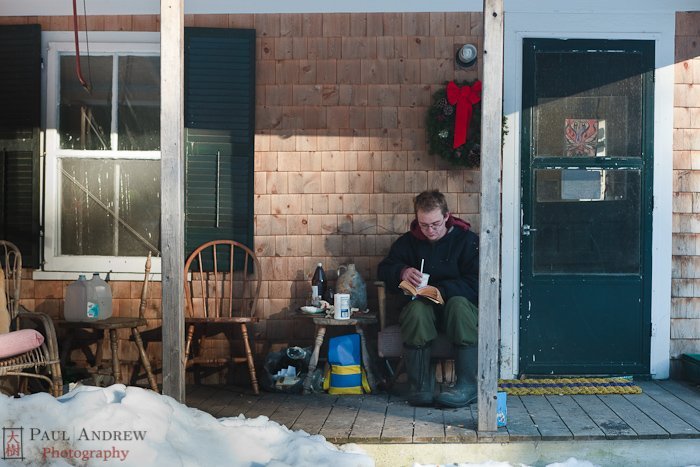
[568,386]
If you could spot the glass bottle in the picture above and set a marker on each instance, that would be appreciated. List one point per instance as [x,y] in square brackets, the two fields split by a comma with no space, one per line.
[318,284]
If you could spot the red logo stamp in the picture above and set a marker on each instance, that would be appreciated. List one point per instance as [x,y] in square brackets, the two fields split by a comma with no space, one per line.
[12,443]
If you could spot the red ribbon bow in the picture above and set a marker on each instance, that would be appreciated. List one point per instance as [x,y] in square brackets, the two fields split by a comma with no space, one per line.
[464,99]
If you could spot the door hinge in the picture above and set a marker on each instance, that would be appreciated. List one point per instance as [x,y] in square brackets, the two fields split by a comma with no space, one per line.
[652,329]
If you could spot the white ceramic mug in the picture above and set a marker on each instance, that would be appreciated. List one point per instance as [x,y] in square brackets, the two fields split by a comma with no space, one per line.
[341,306]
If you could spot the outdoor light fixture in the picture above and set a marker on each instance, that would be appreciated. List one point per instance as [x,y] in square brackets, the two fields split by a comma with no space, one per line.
[466,56]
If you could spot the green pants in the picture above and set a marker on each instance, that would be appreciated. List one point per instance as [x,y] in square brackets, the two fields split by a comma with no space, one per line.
[420,320]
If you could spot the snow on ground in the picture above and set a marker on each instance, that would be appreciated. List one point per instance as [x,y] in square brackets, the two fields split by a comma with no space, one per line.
[131,426]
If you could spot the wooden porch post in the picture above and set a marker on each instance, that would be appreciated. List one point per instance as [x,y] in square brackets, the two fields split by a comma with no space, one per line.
[172,194]
[490,240]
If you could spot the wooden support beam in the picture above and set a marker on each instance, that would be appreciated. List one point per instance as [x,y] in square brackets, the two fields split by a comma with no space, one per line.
[490,234]
[172,169]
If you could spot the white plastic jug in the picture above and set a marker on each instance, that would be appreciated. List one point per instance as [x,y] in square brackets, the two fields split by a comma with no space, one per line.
[102,294]
[75,306]
[88,300]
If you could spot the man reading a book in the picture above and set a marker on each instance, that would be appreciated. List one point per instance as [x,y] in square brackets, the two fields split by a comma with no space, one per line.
[444,247]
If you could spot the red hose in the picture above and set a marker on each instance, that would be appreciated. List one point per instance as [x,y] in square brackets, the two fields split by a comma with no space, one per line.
[78,71]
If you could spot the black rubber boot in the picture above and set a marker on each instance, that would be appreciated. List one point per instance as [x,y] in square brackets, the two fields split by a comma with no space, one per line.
[464,391]
[420,376]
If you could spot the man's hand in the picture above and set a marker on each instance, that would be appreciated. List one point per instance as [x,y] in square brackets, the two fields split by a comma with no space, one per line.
[412,275]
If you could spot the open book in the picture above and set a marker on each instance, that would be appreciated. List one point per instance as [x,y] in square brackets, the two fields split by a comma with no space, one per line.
[429,292]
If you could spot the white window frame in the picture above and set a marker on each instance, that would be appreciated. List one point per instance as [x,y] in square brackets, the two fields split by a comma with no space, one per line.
[55,265]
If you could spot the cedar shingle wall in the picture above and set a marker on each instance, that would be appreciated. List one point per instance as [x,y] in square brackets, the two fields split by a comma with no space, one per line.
[685,309]
[340,148]
[340,151]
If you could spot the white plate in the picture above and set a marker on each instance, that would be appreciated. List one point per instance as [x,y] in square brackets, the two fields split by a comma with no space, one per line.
[311,310]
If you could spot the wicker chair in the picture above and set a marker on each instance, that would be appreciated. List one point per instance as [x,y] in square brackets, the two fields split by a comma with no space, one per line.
[42,363]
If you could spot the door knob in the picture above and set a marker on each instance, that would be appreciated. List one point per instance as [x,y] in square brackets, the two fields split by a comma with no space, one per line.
[527,229]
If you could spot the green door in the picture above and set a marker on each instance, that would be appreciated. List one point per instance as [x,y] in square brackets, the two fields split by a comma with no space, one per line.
[586,174]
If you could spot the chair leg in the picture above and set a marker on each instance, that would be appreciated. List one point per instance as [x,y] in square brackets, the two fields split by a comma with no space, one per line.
[144,359]
[114,344]
[57,379]
[397,372]
[249,358]
[188,342]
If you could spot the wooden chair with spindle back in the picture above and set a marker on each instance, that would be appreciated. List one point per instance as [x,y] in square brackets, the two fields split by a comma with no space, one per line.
[222,287]
[111,326]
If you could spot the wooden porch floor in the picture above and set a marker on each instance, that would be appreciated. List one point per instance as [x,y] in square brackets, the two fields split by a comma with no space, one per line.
[665,409]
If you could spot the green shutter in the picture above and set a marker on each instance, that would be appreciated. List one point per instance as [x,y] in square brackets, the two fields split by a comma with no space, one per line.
[219,135]
[20,101]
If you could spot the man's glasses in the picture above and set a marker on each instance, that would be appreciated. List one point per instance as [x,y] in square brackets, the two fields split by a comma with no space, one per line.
[433,226]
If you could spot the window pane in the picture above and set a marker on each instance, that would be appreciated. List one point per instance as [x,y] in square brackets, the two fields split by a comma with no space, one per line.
[139,103]
[584,113]
[97,192]
[85,117]
[587,221]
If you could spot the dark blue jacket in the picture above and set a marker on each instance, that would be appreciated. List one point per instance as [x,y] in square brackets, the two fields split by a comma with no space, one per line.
[452,262]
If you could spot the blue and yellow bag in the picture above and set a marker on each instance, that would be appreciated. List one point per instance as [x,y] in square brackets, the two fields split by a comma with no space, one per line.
[345,374]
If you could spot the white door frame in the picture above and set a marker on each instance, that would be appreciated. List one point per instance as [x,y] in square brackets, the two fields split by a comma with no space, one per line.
[656,26]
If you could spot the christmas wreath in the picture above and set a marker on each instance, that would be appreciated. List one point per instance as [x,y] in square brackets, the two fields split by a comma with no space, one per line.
[454,123]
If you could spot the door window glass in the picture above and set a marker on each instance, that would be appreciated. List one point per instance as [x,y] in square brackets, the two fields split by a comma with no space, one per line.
[582,111]
[587,221]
